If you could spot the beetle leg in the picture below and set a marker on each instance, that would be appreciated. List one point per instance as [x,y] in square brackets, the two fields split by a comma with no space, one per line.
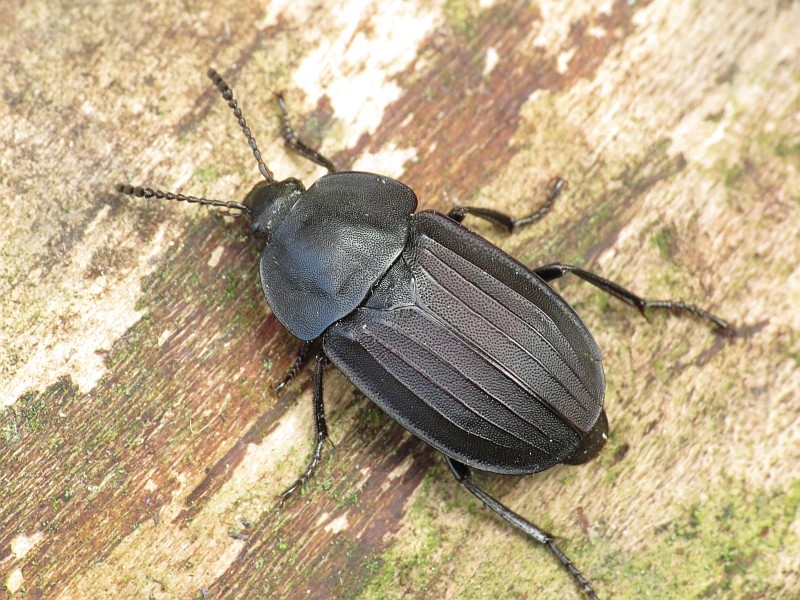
[464,477]
[556,270]
[295,144]
[300,361]
[320,430]
[510,224]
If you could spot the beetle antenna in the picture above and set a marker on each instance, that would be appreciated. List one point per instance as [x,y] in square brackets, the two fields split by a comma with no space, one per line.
[227,94]
[145,192]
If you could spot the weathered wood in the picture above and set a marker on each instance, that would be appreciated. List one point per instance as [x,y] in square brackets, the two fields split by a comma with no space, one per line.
[143,446]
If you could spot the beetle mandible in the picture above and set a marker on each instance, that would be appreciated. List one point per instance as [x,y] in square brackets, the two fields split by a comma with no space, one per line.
[468,349]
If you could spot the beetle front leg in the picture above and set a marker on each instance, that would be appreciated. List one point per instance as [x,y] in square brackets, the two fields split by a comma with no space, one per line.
[295,144]
[510,224]
[301,358]
[556,270]
[463,475]
[320,430]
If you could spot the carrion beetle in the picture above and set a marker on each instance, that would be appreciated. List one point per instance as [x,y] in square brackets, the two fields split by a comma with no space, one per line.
[468,349]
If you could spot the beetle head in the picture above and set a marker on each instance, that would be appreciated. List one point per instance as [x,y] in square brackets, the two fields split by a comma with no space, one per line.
[269,202]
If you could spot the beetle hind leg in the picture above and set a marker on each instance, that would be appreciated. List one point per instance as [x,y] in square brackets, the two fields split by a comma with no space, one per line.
[320,431]
[509,223]
[463,475]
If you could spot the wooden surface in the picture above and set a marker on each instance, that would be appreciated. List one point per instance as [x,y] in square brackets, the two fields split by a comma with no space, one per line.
[142,444]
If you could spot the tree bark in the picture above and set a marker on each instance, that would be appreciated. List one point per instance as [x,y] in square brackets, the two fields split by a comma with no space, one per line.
[143,443]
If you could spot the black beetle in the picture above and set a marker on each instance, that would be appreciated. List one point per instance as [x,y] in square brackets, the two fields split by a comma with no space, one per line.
[462,345]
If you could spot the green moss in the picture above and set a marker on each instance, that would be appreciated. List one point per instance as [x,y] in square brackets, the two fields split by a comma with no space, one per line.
[790,347]
[788,147]
[206,175]
[666,279]
[663,240]
[35,411]
[461,16]
[720,547]
[400,569]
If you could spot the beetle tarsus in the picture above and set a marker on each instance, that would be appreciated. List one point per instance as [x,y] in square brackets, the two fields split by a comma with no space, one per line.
[300,360]
[462,474]
[320,431]
[312,465]
[297,145]
[510,224]
[557,270]
[582,582]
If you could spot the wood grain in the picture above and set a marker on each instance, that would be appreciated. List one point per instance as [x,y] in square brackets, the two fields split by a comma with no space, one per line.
[143,445]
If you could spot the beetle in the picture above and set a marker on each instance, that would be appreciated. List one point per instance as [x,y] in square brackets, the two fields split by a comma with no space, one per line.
[468,349]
